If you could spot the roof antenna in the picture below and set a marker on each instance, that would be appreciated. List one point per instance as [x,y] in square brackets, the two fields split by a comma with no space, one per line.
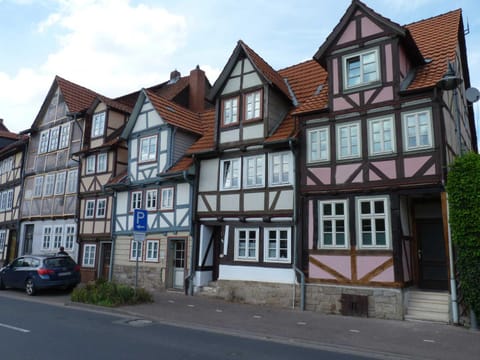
[466,31]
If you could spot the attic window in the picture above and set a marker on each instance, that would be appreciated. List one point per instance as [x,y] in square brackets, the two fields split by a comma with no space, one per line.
[361,69]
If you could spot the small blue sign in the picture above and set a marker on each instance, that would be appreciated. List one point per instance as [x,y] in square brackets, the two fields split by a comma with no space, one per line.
[140,220]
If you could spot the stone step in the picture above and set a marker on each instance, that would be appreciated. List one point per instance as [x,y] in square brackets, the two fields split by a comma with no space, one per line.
[427,316]
[428,306]
[429,296]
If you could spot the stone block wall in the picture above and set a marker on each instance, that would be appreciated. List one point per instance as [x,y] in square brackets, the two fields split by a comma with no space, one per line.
[148,277]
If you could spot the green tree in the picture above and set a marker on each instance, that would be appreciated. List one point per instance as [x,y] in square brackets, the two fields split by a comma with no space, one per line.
[463,188]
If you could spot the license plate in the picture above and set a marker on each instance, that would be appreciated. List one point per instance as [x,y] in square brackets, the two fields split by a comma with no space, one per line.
[64,273]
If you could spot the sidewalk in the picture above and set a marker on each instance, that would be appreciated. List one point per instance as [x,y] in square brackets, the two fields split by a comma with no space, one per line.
[371,337]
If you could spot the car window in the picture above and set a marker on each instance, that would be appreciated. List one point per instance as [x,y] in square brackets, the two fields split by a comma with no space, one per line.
[18,262]
[59,262]
[34,262]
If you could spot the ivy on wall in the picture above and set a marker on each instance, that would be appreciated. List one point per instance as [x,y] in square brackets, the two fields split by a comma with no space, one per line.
[463,188]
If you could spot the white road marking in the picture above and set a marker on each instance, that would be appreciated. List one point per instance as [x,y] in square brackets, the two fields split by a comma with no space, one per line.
[354,331]
[429,341]
[14,328]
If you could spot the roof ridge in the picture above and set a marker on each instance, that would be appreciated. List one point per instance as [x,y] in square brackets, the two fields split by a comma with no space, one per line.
[433,17]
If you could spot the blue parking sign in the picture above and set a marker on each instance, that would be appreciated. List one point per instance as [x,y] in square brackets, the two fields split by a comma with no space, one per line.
[140,220]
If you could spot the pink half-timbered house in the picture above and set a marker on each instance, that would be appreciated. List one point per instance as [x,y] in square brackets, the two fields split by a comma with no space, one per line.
[377,139]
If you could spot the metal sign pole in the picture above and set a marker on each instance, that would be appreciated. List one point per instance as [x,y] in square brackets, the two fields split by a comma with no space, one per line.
[136,269]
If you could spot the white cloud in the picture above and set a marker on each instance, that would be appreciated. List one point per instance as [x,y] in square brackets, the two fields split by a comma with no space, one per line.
[109,46]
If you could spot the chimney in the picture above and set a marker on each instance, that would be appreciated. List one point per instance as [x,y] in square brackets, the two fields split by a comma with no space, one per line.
[174,76]
[196,96]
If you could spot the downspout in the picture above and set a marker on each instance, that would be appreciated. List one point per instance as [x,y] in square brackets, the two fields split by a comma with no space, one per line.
[114,237]
[453,284]
[20,201]
[191,274]
[295,243]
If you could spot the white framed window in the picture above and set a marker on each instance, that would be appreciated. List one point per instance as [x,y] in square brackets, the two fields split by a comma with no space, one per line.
[72,181]
[253,105]
[70,236]
[43,143]
[54,135]
[318,144]
[373,222]
[60,183]
[417,130]
[89,209]
[348,141]
[136,200]
[152,250]
[9,204]
[89,251]
[136,250]
[90,169]
[49,185]
[57,236]
[381,136]
[64,136]
[101,208]
[277,244]
[3,237]
[98,124]
[333,224]
[3,200]
[230,171]
[46,237]
[361,69]
[254,167]
[281,169]
[38,186]
[102,163]
[167,198]
[148,148]
[151,199]
[246,244]
[230,111]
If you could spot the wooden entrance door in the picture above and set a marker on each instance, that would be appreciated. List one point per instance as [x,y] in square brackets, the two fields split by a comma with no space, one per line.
[432,259]
[178,263]
[106,253]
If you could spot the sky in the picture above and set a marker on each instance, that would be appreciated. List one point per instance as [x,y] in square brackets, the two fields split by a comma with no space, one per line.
[115,47]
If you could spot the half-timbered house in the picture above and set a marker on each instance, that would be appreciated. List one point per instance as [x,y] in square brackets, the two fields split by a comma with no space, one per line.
[49,211]
[377,139]
[245,204]
[12,154]
[104,156]
[158,180]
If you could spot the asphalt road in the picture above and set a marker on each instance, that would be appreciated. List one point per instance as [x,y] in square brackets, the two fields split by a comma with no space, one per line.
[34,330]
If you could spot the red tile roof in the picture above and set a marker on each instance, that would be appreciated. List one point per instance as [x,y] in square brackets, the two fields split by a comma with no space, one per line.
[183,164]
[175,114]
[206,142]
[437,39]
[77,98]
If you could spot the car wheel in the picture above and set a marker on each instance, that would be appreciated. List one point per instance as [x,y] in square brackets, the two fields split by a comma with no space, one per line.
[30,287]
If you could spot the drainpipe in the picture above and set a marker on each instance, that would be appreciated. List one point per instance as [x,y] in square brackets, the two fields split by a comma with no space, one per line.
[191,275]
[114,237]
[295,233]
[453,284]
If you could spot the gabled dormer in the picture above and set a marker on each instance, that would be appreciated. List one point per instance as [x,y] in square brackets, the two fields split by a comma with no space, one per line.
[158,134]
[369,59]
[251,99]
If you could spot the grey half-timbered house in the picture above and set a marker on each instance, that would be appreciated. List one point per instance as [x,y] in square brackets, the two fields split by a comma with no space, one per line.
[49,210]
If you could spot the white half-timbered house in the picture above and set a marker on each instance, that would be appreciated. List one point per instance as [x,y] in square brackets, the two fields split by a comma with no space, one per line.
[49,211]
[158,180]
[12,155]
[246,180]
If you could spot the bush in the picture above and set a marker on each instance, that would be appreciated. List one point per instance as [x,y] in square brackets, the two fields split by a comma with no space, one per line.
[463,189]
[110,294]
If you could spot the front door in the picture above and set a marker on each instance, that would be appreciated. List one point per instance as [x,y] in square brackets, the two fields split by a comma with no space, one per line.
[28,239]
[105,260]
[432,259]
[178,263]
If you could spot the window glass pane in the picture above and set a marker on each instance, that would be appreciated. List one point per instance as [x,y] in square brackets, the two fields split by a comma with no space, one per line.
[365,206]
[366,238]
[338,208]
[328,239]
[327,209]
[379,207]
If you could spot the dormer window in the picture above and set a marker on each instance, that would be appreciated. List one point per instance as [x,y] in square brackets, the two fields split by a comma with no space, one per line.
[361,69]
[253,105]
[230,111]
[98,126]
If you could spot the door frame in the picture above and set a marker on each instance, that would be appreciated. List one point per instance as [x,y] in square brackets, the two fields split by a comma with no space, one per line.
[170,271]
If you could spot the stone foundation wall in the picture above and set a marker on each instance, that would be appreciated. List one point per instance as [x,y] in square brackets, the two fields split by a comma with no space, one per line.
[383,303]
[148,277]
